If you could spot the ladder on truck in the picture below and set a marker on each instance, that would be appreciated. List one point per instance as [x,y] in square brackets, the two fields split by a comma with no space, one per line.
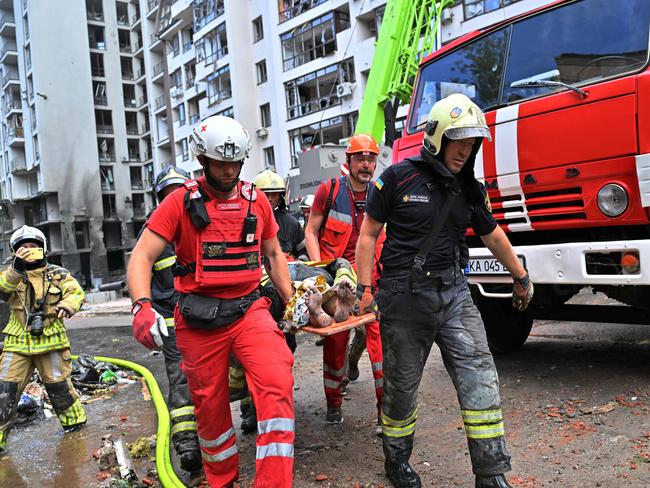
[408,33]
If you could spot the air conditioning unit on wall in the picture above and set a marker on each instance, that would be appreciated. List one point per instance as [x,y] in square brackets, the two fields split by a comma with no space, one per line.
[262,132]
[344,90]
[446,16]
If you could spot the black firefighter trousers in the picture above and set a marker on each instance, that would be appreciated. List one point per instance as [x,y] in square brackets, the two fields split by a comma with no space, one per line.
[179,401]
[409,324]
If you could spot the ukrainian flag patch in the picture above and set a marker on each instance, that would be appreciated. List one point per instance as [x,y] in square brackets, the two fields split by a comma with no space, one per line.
[379,184]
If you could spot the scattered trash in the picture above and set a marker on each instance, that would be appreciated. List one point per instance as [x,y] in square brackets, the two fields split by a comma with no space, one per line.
[108,377]
[142,447]
[608,407]
[124,462]
[321,477]
[106,455]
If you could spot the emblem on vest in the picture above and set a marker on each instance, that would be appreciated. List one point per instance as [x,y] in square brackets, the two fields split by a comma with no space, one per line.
[248,192]
[252,260]
[488,205]
[214,249]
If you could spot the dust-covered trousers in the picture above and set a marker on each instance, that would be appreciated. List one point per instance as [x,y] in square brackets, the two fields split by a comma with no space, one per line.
[410,323]
[179,401]
[335,348]
[259,346]
[55,368]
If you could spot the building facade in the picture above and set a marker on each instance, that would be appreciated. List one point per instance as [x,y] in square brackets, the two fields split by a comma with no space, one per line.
[99,96]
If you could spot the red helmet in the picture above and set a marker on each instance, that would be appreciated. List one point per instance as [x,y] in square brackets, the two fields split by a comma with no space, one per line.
[362,143]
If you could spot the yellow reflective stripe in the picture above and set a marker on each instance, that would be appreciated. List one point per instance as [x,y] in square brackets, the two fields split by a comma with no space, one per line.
[183,426]
[169,321]
[481,416]
[179,412]
[164,263]
[386,420]
[5,285]
[345,273]
[398,432]
[74,415]
[485,431]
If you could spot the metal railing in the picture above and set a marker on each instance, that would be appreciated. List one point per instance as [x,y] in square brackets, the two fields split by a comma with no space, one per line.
[104,129]
[143,100]
[17,165]
[106,157]
[6,19]
[101,100]
[144,128]
[194,119]
[134,19]
[6,48]
[123,20]
[10,77]
[157,69]
[15,133]
[130,102]
[160,102]
[292,11]
[187,46]
[152,4]
[189,82]
[95,16]
[127,76]
[132,131]
[125,48]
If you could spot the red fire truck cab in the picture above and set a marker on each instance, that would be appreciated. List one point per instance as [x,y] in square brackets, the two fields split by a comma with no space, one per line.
[566,93]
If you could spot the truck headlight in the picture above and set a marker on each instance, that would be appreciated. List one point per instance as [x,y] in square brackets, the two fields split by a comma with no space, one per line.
[612,200]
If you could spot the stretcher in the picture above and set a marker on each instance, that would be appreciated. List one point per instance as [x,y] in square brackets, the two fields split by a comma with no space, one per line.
[352,322]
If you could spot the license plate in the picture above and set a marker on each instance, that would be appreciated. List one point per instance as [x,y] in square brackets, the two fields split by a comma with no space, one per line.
[487,266]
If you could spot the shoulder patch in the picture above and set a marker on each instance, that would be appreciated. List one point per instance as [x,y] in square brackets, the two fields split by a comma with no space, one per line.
[248,193]
[379,184]
[488,205]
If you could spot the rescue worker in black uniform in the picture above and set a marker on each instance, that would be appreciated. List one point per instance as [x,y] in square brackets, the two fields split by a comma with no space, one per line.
[164,298]
[431,286]
[291,235]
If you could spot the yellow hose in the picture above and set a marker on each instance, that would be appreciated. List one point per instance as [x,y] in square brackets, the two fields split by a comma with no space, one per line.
[164,466]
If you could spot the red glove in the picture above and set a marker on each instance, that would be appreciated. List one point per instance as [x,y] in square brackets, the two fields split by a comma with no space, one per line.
[148,325]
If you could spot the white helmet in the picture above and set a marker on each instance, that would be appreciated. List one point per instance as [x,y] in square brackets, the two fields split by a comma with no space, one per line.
[220,138]
[27,233]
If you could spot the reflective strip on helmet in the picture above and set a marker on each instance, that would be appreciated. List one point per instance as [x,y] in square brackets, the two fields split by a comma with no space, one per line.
[281,449]
[180,412]
[221,456]
[485,431]
[164,263]
[277,424]
[209,443]
[183,427]
[467,132]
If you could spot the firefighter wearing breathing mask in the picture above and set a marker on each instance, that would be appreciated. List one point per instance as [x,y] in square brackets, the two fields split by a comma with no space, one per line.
[427,203]
[221,227]
[40,296]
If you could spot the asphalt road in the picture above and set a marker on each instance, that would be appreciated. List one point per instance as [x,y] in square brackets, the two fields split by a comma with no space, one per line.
[576,400]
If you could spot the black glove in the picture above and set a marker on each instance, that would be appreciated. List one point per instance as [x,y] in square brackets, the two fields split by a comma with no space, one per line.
[366,299]
[19,264]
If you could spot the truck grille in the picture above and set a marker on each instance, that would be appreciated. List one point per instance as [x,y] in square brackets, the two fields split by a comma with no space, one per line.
[543,206]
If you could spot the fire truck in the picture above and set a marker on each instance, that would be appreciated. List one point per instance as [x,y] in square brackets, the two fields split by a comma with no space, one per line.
[566,93]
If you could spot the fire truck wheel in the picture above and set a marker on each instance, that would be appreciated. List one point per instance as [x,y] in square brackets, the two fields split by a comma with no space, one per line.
[507,329]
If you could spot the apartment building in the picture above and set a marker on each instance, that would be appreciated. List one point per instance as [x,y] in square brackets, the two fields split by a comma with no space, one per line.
[98,96]
[78,152]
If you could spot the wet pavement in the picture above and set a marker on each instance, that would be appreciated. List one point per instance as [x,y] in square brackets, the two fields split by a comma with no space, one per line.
[576,401]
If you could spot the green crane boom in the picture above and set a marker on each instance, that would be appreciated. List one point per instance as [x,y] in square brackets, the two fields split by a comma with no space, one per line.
[407,33]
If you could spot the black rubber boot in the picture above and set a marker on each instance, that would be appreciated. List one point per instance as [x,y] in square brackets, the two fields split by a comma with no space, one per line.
[353,371]
[191,460]
[402,475]
[492,481]
[249,419]
[334,415]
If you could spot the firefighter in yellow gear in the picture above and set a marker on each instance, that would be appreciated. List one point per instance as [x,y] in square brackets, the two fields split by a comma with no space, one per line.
[40,296]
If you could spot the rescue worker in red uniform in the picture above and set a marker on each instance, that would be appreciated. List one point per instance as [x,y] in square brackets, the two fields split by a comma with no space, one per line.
[164,298]
[332,231]
[221,227]
[427,202]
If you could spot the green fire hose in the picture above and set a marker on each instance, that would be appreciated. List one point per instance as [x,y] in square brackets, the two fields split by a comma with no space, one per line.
[164,466]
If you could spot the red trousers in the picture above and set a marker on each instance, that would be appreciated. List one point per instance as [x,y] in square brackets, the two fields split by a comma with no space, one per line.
[334,355]
[259,346]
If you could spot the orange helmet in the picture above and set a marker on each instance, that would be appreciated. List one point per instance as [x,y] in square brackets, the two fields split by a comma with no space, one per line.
[362,143]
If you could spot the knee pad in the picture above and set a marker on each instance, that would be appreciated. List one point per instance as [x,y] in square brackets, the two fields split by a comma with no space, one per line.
[8,397]
[60,395]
